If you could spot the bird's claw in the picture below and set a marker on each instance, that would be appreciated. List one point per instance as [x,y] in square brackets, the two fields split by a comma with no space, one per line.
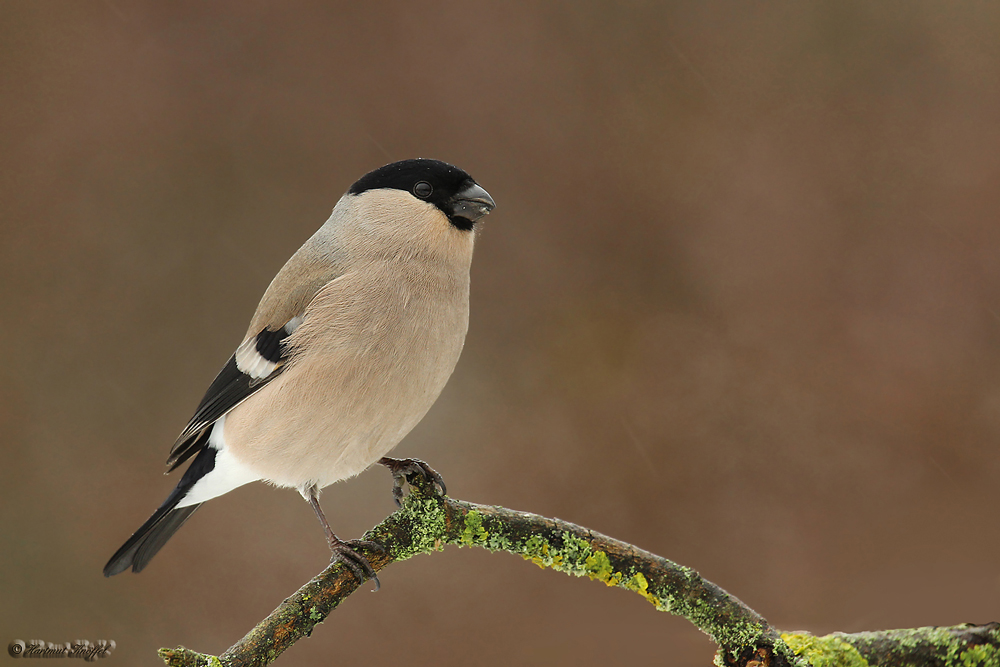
[345,552]
[403,471]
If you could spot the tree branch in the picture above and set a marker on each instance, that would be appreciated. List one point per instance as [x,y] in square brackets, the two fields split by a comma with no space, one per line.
[427,522]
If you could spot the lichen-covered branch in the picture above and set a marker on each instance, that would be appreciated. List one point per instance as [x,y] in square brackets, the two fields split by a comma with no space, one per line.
[427,522]
[964,645]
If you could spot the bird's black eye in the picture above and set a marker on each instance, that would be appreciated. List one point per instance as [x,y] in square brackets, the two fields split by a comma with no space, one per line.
[423,189]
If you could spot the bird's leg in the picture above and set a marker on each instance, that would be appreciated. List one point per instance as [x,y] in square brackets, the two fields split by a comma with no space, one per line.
[402,469]
[343,551]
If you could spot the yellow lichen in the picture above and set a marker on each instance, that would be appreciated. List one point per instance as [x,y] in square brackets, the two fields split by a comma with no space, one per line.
[824,651]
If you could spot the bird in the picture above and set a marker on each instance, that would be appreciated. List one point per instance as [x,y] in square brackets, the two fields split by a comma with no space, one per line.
[350,345]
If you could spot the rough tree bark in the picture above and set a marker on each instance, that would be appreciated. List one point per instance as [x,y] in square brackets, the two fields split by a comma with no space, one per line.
[427,522]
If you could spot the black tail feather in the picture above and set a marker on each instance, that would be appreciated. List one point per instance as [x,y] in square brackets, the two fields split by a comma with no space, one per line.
[152,535]
[145,542]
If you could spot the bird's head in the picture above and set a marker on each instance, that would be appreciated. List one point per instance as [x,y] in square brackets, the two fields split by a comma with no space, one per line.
[448,188]
[412,208]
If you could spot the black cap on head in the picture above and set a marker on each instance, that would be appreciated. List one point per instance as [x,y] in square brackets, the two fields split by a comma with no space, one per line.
[439,183]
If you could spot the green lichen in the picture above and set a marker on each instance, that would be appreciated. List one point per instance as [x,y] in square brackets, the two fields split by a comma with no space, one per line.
[183,656]
[569,557]
[727,632]
[575,554]
[474,533]
[425,521]
[536,549]
[577,557]
[564,551]
[839,649]
[826,651]
[497,541]
[948,643]
[980,656]
[960,655]
[315,614]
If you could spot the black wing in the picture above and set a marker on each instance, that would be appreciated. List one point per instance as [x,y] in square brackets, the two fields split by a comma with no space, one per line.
[230,388]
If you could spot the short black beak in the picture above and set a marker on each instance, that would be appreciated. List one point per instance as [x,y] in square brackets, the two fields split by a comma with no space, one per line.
[472,203]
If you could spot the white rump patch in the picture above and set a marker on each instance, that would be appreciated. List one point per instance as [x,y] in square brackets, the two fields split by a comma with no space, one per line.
[227,474]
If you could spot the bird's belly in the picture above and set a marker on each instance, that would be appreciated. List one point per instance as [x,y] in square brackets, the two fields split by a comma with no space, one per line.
[330,416]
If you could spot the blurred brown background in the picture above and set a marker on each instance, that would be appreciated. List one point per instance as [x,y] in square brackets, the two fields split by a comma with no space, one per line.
[739,304]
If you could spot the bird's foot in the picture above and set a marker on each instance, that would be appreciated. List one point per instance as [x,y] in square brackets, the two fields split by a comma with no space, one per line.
[403,470]
[344,551]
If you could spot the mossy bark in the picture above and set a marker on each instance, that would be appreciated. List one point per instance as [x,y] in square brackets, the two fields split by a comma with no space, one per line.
[964,645]
[427,523]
